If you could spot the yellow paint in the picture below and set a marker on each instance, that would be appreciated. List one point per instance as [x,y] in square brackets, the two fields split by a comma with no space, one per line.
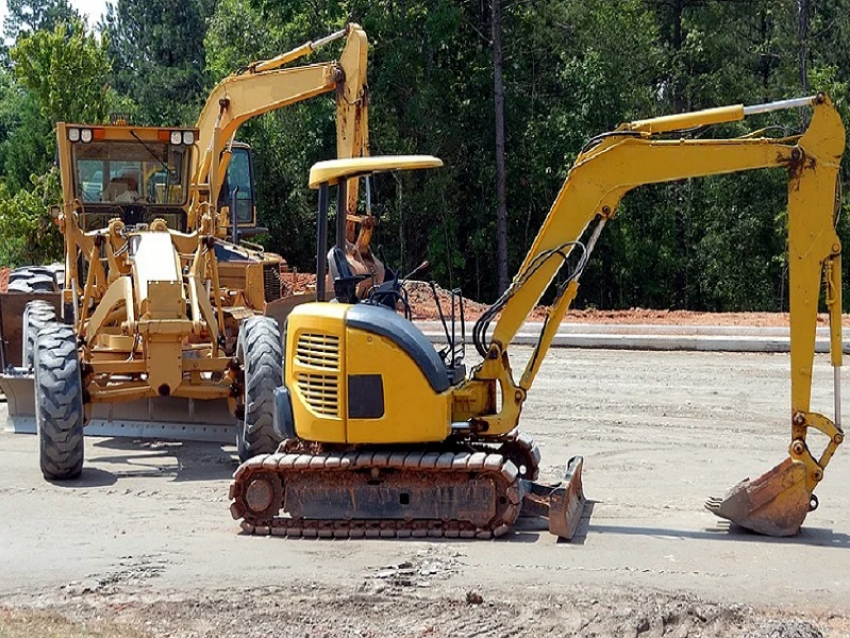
[318,391]
[332,171]
[265,87]
[682,121]
[413,412]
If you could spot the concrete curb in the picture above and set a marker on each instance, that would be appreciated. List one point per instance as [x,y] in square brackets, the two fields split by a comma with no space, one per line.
[654,337]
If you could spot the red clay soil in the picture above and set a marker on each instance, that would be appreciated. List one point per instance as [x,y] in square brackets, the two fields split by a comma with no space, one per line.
[422,303]
[297,282]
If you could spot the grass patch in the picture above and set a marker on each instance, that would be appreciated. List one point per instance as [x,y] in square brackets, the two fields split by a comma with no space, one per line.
[19,623]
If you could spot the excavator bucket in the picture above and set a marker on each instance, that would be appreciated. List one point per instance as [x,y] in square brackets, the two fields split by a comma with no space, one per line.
[562,505]
[775,504]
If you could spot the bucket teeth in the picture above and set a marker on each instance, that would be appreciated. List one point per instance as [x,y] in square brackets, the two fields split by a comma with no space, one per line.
[774,504]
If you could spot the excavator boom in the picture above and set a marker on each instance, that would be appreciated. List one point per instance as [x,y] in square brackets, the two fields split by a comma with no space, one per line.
[263,87]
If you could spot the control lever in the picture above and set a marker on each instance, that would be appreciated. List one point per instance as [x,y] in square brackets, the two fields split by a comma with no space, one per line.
[424,265]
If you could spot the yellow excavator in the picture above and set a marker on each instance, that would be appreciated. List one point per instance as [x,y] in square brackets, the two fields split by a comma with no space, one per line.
[264,86]
[385,437]
[169,316]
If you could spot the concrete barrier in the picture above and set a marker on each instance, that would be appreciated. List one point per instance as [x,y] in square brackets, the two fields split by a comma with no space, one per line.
[653,337]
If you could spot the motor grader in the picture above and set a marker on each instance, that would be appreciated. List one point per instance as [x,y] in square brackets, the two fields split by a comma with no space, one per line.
[385,437]
[168,315]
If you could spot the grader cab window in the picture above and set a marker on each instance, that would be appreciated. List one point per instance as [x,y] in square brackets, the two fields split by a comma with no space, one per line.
[121,173]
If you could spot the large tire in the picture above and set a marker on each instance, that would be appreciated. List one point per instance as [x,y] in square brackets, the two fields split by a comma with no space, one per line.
[261,354]
[32,279]
[37,315]
[59,403]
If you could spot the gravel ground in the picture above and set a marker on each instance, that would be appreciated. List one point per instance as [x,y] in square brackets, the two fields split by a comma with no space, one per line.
[143,544]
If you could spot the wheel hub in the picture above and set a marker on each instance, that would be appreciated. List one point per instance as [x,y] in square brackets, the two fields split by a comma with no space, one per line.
[259,494]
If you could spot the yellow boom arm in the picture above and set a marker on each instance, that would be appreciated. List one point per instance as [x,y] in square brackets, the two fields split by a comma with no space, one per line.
[633,155]
[263,87]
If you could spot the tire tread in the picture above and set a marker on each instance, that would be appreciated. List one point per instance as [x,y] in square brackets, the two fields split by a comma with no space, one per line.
[59,403]
[261,351]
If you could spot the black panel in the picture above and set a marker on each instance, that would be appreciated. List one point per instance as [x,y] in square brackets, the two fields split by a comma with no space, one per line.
[283,422]
[365,396]
[271,281]
[387,323]
[226,252]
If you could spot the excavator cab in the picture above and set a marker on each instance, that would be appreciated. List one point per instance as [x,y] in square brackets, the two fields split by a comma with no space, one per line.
[398,354]
[365,387]
[236,200]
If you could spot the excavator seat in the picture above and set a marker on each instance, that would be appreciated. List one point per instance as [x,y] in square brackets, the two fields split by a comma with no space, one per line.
[380,320]
[345,283]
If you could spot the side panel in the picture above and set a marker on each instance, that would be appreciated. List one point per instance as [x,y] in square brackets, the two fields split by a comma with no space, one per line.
[410,411]
[12,306]
[314,370]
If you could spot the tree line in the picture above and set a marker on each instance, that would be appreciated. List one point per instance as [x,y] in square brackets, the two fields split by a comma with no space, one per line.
[444,76]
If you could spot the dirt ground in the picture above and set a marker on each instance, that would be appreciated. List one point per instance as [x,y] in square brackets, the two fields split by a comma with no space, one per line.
[143,544]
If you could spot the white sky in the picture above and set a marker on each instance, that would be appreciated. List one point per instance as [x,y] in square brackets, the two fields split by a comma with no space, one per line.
[93,9]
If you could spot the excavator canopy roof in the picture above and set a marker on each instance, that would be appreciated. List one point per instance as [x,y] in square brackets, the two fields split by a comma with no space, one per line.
[333,171]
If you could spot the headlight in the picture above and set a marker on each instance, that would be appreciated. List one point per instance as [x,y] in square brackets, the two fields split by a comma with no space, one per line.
[86,135]
[188,138]
[175,137]
[74,134]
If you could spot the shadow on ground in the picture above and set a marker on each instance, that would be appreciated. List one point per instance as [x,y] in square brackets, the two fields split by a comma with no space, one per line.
[813,536]
[129,458]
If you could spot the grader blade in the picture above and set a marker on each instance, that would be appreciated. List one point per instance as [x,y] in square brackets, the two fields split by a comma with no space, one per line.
[774,504]
[561,505]
[161,418]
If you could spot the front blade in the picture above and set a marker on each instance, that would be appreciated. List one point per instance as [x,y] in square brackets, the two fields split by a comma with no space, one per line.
[775,504]
[566,503]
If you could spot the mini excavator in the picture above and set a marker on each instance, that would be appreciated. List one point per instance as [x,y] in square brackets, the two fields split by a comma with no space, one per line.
[383,437]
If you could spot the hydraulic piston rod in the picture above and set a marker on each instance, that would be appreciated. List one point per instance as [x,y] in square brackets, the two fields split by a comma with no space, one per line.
[781,105]
[289,56]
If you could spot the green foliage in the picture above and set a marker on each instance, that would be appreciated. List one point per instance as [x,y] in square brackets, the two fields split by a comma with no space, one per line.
[58,75]
[30,237]
[158,57]
[66,70]
[572,69]
[25,135]
[30,16]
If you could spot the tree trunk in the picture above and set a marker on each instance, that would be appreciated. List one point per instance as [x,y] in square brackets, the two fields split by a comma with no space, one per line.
[802,42]
[501,187]
[680,283]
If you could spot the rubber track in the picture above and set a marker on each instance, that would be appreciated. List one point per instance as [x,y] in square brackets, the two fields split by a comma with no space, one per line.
[261,348]
[37,315]
[59,397]
[516,446]
[434,463]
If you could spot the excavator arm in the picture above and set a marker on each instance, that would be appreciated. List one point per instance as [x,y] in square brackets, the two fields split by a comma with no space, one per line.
[655,151]
[263,87]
